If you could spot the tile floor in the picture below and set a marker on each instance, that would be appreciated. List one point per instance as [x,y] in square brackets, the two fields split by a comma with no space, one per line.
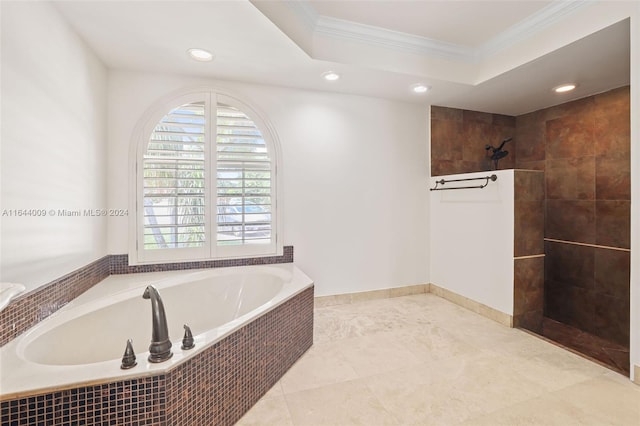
[421,360]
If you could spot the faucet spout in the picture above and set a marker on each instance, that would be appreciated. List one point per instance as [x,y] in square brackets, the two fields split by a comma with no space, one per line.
[160,347]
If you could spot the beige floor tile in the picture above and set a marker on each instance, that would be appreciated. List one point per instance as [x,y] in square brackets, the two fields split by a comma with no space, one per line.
[477,330]
[555,369]
[276,390]
[340,322]
[377,354]
[374,316]
[542,411]
[449,391]
[421,360]
[342,404]
[431,342]
[605,400]
[267,412]
[322,365]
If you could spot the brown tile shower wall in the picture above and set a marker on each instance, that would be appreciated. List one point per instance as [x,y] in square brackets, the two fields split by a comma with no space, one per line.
[588,288]
[459,137]
[528,283]
[215,387]
[584,149]
[31,308]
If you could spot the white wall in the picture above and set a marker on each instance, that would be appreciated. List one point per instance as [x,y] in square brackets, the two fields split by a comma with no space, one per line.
[635,189]
[471,236]
[354,169]
[53,146]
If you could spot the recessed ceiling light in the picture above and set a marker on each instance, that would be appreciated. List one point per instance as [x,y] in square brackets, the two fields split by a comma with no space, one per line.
[331,76]
[420,88]
[564,88]
[200,55]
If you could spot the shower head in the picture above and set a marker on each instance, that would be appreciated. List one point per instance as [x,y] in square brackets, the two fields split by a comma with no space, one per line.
[502,144]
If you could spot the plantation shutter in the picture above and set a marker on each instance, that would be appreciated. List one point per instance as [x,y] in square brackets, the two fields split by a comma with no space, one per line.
[206,180]
[244,180]
[174,180]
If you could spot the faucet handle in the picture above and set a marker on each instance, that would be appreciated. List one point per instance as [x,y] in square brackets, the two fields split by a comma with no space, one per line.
[129,357]
[187,340]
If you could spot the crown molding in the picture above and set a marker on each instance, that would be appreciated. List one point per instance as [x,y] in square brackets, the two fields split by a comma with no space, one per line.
[352,31]
[306,14]
[531,26]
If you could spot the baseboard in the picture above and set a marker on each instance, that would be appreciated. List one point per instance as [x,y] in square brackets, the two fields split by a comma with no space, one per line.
[472,305]
[636,374]
[347,298]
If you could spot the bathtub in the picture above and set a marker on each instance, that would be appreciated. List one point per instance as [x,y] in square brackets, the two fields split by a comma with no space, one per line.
[83,343]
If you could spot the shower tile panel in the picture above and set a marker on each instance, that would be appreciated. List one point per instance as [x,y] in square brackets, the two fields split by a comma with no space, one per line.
[504,121]
[528,227]
[613,178]
[583,308]
[534,118]
[477,116]
[570,137]
[611,318]
[570,265]
[473,132]
[528,186]
[556,301]
[612,135]
[585,156]
[531,165]
[571,220]
[478,134]
[528,292]
[613,103]
[571,178]
[446,140]
[612,273]
[531,146]
[588,288]
[459,138]
[446,114]
[613,223]
[611,123]
[581,107]
[445,167]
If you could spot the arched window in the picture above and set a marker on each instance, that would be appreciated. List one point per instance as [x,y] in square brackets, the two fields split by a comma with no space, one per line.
[206,182]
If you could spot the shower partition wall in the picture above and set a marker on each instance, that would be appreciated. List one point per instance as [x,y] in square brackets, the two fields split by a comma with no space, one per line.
[584,149]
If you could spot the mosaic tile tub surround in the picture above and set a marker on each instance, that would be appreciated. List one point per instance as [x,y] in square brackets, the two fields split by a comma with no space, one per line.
[29,309]
[215,387]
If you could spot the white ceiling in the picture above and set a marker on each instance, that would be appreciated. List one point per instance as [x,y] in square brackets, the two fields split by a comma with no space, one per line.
[381,48]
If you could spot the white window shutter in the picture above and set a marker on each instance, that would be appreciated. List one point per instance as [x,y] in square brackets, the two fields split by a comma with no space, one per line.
[174,181]
[243,165]
[207,184]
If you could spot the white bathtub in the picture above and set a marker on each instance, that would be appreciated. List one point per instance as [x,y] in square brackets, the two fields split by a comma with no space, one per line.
[84,341]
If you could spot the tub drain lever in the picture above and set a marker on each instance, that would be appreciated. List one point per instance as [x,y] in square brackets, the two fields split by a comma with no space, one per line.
[187,340]
[129,357]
